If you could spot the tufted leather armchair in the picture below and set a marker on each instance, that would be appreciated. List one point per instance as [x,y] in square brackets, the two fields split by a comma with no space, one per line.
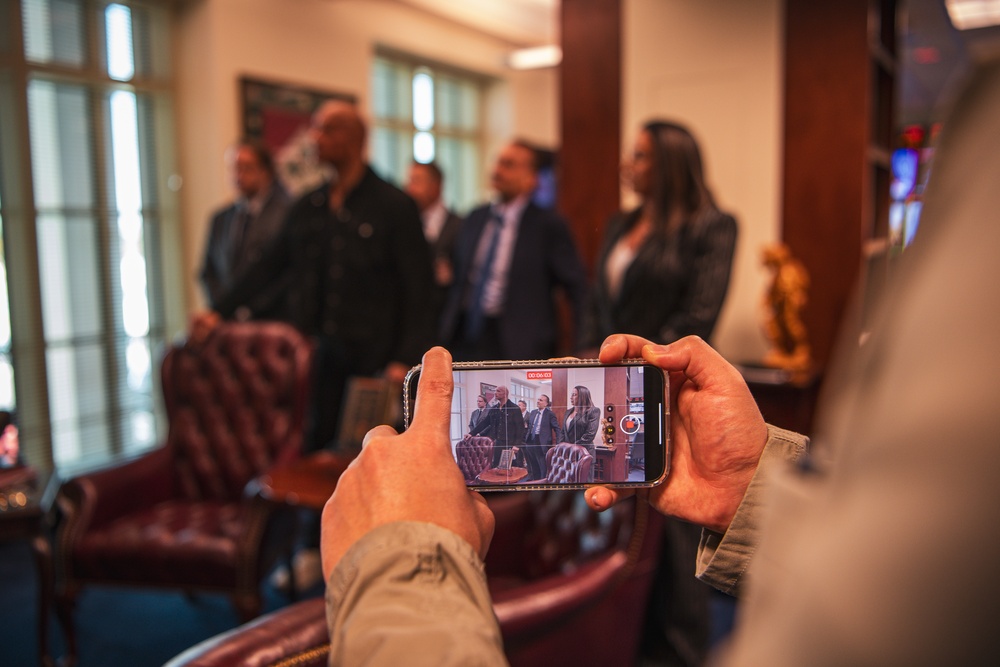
[474,456]
[569,587]
[568,464]
[185,515]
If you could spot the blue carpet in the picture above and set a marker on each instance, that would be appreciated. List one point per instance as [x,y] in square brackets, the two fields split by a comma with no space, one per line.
[114,626]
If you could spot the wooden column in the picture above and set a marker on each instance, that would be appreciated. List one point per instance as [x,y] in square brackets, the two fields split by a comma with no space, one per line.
[590,118]
[836,103]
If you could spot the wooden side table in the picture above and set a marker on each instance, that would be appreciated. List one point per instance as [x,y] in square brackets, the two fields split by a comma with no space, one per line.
[22,518]
[307,482]
[503,476]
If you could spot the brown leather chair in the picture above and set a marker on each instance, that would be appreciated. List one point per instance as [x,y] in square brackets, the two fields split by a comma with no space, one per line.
[569,586]
[567,464]
[474,456]
[185,515]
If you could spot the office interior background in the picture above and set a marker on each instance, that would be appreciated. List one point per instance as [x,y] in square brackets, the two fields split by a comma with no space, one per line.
[115,117]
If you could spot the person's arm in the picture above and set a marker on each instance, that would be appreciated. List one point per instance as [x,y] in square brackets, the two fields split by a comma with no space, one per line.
[723,558]
[414,278]
[411,593]
[699,307]
[555,426]
[403,557]
[593,420]
[568,271]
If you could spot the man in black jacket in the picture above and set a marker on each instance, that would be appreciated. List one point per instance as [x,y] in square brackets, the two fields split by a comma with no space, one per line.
[356,254]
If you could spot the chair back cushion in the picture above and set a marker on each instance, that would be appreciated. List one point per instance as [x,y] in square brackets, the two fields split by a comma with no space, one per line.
[568,464]
[236,405]
[474,456]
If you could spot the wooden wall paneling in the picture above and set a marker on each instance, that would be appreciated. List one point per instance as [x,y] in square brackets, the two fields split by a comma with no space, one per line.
[825,149]
[590,118]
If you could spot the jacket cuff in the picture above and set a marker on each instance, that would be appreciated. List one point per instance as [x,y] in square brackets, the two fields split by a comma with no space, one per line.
[723,558]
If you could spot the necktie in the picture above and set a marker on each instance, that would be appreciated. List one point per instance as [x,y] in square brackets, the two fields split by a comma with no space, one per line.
[536,428]
[475,316]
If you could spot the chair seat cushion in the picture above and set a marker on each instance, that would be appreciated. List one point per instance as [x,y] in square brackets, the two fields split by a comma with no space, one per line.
[172,542]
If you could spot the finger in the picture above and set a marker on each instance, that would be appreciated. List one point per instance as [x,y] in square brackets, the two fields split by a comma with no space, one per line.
[432,411]
[382,431]
[621,346]
[691,356]
[601,498]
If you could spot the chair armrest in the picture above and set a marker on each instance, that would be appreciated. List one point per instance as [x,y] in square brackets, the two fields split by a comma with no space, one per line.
[533,607]
[99,497]
[295,635]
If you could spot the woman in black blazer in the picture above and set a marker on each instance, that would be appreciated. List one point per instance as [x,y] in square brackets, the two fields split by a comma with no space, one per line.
[663,268]
[581,421]
[662,273]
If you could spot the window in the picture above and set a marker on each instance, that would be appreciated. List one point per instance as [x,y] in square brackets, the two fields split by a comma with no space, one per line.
[96,92]
[428,113]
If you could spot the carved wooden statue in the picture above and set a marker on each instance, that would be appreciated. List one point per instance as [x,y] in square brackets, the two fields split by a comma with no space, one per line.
[783,304]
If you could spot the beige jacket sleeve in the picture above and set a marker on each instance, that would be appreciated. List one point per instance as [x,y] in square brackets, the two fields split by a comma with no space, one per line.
[411,593]
[723,559]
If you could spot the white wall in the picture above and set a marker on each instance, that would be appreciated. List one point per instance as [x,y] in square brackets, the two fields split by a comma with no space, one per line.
[716,66]
[321,44]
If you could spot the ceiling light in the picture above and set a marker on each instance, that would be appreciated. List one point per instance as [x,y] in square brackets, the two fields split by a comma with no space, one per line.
[968,14]
[535,58]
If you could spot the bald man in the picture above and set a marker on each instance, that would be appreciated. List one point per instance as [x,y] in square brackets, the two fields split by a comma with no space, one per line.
[355,250]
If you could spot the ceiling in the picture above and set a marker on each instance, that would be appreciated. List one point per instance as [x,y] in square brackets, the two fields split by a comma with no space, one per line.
[523,23]
[933,55]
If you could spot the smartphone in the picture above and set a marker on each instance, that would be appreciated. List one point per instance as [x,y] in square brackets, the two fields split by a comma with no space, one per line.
[571,423]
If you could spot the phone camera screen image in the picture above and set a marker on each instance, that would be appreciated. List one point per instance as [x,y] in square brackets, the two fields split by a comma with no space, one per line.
[565,424]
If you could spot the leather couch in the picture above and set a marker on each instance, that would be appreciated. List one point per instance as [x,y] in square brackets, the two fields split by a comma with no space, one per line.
[569,587]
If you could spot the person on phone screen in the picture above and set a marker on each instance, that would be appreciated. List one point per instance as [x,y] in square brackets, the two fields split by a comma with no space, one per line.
[581,421]
[478,414]
[505,425]
[543,432]
[874,547]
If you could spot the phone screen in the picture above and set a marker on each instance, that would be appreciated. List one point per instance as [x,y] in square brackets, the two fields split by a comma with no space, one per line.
[569,423]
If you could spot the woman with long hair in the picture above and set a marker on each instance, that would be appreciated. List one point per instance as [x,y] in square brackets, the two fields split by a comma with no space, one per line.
[581,421]
[662,273]
[663,269]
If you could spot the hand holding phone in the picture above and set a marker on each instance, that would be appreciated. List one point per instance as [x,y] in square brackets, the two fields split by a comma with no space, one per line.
[407,477]
[590,423]
[717,437]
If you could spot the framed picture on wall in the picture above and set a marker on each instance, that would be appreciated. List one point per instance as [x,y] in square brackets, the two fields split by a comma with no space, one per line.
[278,115]
[489,391]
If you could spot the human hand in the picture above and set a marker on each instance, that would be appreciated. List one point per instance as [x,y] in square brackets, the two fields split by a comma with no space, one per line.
[407,477]
[201,324]
[717,432]
[396,372]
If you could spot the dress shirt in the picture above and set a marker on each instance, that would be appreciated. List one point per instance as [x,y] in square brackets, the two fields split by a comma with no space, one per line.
[433,218]
[496,283]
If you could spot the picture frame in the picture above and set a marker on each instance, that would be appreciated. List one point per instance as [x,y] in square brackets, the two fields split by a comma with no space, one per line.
[279,115]
[488,391]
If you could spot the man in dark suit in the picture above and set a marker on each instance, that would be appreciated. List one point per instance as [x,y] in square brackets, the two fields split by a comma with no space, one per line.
[239,234]
[425,183]
[504,424]
[511,239]
[543,432]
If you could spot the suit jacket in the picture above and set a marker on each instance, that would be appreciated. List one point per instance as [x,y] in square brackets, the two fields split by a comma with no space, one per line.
[503,423]
[550,425]
[220,269]
[544,257]
[444,246]
[583,428]
[476,417]
[687,271]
